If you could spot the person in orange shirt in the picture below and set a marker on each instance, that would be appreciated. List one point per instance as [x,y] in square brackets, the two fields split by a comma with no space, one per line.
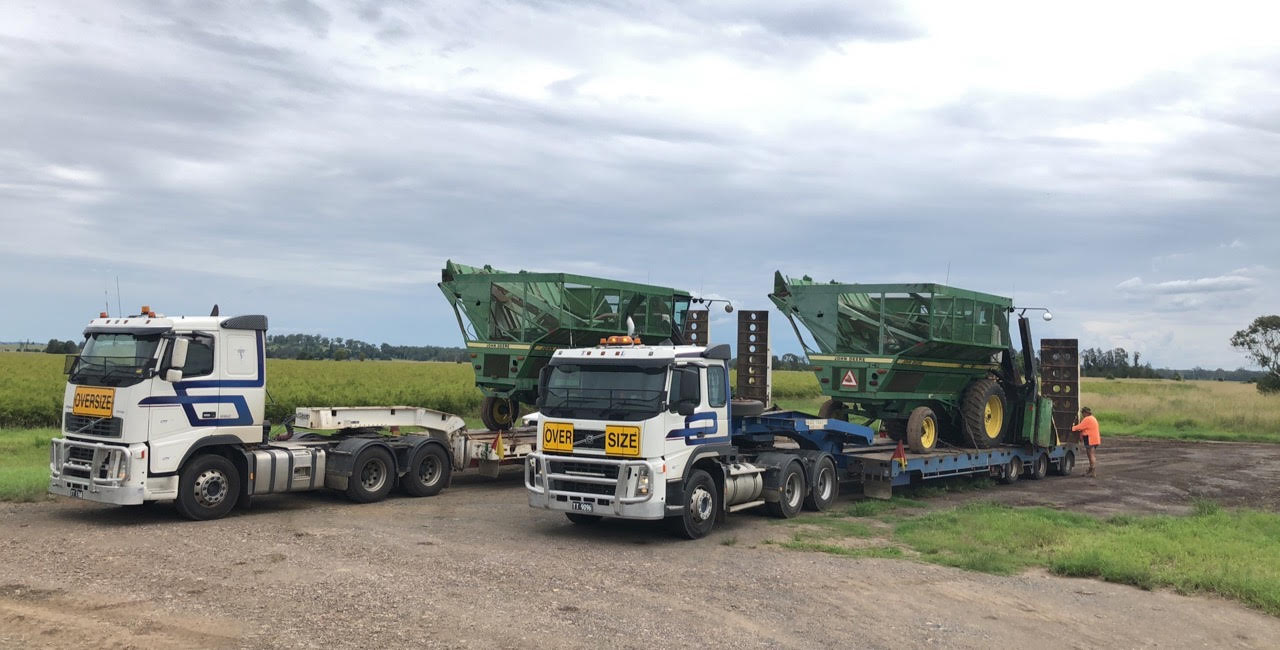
[1091,436]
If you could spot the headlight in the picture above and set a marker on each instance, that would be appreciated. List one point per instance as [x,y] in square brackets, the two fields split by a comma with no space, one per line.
[642,481]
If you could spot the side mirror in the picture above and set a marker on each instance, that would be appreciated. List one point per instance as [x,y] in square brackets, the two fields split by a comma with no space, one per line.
[68,363]
[686,408]
[544,378]
[173,375]
[689,389]
[179,357]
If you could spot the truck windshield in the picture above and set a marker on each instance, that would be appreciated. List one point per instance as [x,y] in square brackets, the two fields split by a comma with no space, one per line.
[115,359]
[604,392]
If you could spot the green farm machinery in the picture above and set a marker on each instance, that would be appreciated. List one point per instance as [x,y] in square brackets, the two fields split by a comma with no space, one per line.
[514,322]
[932,363]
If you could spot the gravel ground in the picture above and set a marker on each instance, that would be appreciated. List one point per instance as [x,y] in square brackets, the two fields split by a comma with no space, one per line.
[476,567]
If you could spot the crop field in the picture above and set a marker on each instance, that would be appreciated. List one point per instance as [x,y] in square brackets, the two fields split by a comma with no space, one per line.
[1185,410]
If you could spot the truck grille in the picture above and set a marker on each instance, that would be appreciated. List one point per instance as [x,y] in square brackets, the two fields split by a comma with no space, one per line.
[81,424]
[588,469]
[588,439]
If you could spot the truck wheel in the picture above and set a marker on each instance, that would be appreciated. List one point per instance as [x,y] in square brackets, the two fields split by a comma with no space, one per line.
[207,488]
[1039,467]
[1065,465]
[831,409]
[372,475]
[428,472]
[825,487]
[1012,471]
[896,428]
[702,503]
[499,413]
[922,430]
[583,520]
[983,413]
[790,493]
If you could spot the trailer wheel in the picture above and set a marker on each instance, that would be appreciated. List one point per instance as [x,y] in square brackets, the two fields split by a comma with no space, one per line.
[372,475]
[1012,471]
[922,430]
[834,410]
[1039,467]
[790,493]
[207,488]
[499,413]
[983,413]
[1065,465]
[583,520]
[702,504]
[428,472]
[825,487]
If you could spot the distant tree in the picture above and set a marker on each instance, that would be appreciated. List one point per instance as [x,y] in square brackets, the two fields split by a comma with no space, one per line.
[1261,343]
[54,346]
[341,354]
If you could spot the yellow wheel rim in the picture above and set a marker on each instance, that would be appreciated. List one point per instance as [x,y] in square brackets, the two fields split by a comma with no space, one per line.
[993,416]
[928,433]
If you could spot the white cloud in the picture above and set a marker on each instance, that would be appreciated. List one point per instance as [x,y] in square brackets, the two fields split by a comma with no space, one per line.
[1198,285]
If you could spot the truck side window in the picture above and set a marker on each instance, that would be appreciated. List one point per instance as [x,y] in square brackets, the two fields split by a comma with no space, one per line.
[199,357]
[715,386]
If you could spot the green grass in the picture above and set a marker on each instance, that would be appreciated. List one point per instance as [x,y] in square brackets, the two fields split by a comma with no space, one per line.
[1232,553]
[24,463]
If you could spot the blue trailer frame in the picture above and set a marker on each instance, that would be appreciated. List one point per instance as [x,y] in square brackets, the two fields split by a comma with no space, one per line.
[881,466]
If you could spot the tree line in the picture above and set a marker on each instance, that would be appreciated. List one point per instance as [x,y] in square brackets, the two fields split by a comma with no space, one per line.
[315,346]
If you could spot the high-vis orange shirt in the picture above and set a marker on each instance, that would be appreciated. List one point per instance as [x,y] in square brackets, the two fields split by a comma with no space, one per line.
[1088,429]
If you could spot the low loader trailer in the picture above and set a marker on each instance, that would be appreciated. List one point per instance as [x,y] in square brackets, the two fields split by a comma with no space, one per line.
[634,431]
[163,408]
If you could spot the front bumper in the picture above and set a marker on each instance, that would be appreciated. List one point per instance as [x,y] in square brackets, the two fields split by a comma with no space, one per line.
[607,486]
[104,473]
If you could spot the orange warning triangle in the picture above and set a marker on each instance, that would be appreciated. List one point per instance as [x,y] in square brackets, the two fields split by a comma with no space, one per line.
[849,381]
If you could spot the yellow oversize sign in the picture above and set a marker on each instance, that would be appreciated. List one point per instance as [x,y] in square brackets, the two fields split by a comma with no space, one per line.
[93,401]
[557,436]
[621,441]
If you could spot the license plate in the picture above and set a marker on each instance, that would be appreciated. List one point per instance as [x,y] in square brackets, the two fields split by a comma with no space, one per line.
[582,505]
[621,441]
[557,436]
[77,492]
[93,401]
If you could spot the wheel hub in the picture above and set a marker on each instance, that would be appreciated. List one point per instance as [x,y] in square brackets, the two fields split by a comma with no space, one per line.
[372,475]
[429,470]
[993,417]
[210,488]
[700,504]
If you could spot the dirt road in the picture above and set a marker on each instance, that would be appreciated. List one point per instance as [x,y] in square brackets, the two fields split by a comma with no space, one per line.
[475,567]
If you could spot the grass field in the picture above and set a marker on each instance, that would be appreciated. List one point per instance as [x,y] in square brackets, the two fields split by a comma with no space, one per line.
[24,463]
[1229,553]
[1185,410]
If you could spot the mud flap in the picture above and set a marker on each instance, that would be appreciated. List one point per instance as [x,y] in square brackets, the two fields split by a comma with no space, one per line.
[488,468]
[875,486]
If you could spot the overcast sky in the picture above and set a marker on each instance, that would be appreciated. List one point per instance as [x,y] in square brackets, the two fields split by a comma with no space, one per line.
[318,161]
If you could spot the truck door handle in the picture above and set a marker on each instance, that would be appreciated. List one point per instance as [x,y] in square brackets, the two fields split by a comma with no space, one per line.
[207,414]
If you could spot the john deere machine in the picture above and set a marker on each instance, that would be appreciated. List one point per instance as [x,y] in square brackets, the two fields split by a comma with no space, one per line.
[513,322]
[932,363]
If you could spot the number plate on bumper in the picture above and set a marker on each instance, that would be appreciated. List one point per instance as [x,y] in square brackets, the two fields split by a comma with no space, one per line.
[582,506]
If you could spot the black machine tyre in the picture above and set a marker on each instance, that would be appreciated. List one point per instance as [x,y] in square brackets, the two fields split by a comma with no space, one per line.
[1039,467]
[832,409]
[1012,471]
[372,475]
[922,430]
[896,428]
[580,519]
[429,472]
[825,488]
[747,407]
[791,493]
[208,488]
[1065,465]
[984,413]
[499,413]
[702,504]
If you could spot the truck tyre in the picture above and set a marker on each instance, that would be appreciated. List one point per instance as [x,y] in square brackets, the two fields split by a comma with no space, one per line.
[1039,467]
[825,486]
[429,472]
[834,410]
[1012,471]
[499,413]
[790,493]
[702,504]
[896,428]
[1065,465]
[583,520]
[207,488]
[984,413]
[372,475]
[922,430]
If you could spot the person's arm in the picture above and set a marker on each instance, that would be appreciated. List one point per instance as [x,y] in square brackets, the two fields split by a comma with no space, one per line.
[1078,427]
